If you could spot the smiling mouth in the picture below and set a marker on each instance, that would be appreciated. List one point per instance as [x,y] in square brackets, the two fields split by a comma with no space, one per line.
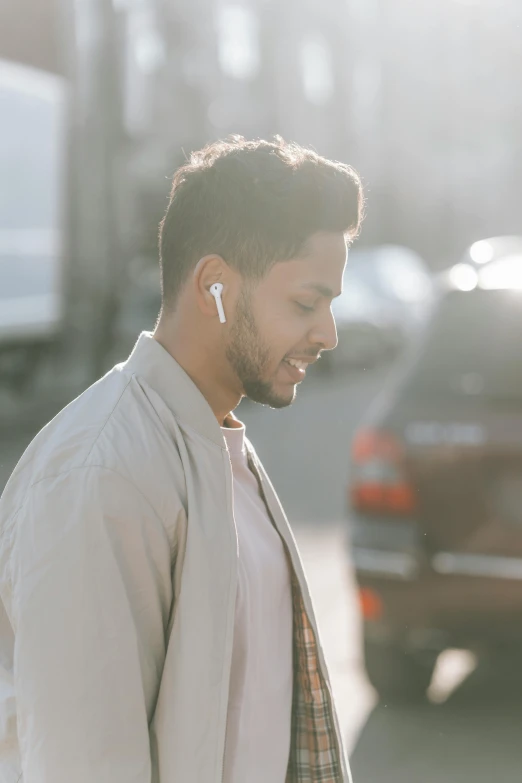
[296,363]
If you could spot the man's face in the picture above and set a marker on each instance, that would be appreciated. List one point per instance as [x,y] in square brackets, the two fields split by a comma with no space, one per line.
[285,321]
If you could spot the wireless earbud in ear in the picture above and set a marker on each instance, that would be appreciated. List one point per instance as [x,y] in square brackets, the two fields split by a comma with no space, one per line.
[216,290]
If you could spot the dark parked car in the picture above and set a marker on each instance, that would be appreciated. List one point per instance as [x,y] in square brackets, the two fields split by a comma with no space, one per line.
[435,494]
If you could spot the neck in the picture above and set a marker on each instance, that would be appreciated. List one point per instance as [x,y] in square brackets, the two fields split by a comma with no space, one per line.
[203,366]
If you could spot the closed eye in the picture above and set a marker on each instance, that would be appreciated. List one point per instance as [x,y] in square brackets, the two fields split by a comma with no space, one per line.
[305,308]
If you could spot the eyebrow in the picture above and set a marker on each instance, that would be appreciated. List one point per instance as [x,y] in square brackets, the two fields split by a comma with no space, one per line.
[321,289]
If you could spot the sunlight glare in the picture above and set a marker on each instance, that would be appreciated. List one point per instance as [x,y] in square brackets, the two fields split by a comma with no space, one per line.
[481,252]
[451,669]
[464,277]
[506,273]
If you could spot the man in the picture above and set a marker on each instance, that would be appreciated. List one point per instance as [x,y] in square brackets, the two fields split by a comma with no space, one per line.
[157,625]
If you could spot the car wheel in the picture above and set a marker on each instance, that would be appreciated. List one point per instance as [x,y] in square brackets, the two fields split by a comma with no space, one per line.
[397,676]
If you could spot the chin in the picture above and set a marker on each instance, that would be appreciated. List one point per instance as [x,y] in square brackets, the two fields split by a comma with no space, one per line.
[280,402]
[265,394]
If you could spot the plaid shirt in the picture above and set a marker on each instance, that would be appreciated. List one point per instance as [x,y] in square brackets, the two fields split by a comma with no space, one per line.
[315,748]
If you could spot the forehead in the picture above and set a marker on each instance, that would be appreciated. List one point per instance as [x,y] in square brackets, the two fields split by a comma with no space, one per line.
[321,261]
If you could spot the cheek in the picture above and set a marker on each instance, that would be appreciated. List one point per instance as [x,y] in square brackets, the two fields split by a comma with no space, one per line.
[282,336]
[280,330]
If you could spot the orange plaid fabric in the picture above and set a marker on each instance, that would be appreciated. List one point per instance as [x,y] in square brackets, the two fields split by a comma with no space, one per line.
[314,750]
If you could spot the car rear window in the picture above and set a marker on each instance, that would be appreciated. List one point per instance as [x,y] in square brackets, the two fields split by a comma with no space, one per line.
[473,347]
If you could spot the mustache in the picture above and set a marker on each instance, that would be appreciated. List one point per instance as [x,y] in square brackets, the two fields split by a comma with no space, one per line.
[310,354]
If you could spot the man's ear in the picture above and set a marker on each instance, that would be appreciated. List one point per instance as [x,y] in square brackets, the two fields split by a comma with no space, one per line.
[209,270]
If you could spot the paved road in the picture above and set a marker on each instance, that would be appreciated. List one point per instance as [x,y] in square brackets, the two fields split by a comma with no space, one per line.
[475,735]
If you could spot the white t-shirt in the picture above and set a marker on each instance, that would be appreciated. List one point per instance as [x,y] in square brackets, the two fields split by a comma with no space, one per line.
[260,702]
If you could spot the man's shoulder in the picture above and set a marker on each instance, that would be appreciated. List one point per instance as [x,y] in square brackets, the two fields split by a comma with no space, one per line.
[78,432]
[112,426]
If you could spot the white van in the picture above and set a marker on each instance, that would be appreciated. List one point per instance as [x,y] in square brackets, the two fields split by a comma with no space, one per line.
[32,175]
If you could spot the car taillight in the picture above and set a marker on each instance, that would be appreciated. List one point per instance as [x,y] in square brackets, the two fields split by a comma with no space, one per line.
[370,604]
[378,482]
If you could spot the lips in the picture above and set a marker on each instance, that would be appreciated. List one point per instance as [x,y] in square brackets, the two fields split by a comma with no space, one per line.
[295,369]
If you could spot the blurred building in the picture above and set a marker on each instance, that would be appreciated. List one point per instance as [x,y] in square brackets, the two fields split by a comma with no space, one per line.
[423,98]
[437,112]
[31,32]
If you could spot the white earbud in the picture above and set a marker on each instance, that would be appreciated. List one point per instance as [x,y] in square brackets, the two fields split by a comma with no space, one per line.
[216,290]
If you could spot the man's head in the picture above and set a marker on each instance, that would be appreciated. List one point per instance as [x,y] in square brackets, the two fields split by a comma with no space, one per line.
[271,222]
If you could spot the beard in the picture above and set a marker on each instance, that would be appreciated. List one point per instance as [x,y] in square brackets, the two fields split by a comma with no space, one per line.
[250,358]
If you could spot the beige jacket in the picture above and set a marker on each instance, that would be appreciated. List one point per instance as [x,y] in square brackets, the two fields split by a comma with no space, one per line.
[118,571]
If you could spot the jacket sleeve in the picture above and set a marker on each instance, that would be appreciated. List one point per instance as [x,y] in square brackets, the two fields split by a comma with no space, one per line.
[91,595]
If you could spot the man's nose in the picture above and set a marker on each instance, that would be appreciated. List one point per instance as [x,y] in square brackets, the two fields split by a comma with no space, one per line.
[325,332]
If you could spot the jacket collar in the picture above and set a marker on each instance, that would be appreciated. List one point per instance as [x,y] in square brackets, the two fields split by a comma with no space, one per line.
[150,361]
